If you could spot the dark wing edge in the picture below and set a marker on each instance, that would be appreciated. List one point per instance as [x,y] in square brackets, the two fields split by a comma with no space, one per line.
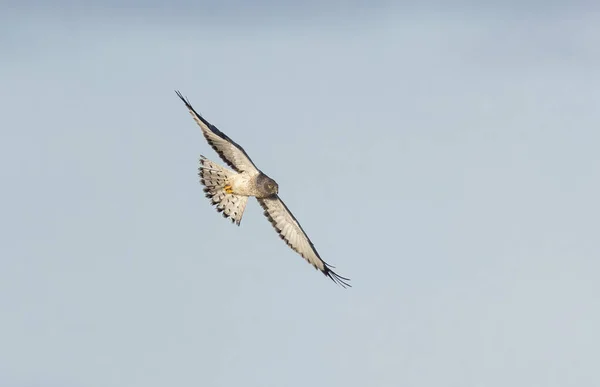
[327,268]
[218,133]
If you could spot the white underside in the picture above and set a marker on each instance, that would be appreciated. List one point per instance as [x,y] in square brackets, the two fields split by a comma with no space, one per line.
[242,183]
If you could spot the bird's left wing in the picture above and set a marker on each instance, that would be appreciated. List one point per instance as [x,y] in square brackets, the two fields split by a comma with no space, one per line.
[292,233]
[234,155]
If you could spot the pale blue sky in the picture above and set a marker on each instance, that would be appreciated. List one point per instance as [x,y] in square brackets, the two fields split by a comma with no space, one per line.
[446,160]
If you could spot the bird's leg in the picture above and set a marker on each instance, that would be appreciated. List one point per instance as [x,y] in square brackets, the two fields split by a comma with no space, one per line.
[228,189]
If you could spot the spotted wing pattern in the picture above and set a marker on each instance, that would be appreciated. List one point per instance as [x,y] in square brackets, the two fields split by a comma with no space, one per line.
[294,236]
[233,154]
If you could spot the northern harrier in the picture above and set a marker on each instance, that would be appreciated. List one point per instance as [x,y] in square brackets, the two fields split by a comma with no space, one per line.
[229,191]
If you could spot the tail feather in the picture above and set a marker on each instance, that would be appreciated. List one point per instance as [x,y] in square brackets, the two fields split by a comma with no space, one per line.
[215,178]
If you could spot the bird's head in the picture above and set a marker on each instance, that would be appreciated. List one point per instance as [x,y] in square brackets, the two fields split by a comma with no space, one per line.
[268,186]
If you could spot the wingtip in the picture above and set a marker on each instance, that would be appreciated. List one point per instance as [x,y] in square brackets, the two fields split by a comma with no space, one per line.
[181,97]
[338,279]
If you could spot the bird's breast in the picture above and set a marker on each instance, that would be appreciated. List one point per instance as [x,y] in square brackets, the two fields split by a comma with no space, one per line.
[243,184]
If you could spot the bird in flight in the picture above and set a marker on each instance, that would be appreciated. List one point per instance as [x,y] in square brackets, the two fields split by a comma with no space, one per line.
[229,191]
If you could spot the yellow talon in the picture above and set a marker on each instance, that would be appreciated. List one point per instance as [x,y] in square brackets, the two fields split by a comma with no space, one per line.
[228,189]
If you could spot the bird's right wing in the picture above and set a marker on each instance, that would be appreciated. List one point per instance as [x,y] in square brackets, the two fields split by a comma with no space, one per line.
[234,155]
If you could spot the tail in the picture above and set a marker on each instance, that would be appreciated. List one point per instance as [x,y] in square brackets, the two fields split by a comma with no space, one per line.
[214,178]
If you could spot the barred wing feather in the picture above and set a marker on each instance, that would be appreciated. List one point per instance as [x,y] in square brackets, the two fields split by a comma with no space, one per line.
[294,236]
[234,155]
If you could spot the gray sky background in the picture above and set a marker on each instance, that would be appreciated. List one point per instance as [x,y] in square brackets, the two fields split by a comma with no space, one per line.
[446,160]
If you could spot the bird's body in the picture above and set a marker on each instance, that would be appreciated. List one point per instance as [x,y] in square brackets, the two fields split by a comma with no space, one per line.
[229,192]
[245,184]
